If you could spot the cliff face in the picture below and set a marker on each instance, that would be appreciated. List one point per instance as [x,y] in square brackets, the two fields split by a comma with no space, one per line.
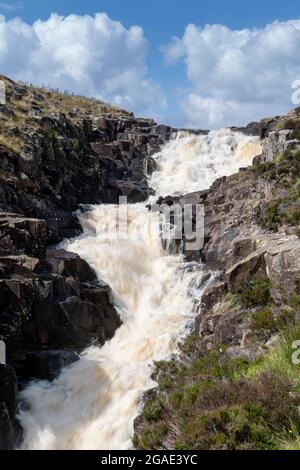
[57,152]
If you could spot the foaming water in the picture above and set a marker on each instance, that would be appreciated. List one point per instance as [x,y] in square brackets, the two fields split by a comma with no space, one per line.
[191,163]
[93,403]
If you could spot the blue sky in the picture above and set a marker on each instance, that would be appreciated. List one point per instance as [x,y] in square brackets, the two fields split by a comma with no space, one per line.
[175,86]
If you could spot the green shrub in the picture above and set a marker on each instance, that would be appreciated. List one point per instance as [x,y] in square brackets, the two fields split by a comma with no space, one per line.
[51,134]
[176,399]
[271,218]
[153,410]
[291,215]
[285,318]
[263,320]
[297,135]
[256,293]
[152,437]
[295,302]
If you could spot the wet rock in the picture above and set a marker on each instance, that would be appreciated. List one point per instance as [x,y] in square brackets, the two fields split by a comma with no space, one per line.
[66,263]
[8,388]
[57,301]
[21,235]
[134,192]
[47,365]
[7,435]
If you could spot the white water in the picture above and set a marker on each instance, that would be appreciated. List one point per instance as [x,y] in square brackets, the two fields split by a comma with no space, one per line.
[93,403]
[190,163]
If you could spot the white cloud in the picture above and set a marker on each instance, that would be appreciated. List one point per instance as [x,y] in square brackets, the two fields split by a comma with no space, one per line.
[94,56]
[237,76]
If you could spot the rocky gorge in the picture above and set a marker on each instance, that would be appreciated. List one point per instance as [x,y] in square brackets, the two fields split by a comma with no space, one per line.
[59,152]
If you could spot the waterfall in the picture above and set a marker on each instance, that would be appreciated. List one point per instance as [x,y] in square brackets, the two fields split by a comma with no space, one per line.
[93,403]
[190,163]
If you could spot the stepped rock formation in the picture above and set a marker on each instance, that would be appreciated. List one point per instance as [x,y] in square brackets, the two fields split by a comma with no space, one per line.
[57,153]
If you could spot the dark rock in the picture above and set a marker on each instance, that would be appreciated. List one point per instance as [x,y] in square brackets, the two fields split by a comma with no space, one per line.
[213,293]
[8,388]
[8,403]
[65,162]
[4,109]
[57,301]
[7,436]
[251,266]
[21,235]
[47,365]
[66,263]
[134,192]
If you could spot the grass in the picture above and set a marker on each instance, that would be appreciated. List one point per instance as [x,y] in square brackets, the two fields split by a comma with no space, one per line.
[17,119]
[214,401]
[256,292]
[220,403]
[284,171]
[279,360]
[263,320]
[297,135]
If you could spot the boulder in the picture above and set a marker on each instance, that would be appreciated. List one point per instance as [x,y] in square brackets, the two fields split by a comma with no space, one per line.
[21,235]
[47,365]
[134,192]
[57,301]
[277,142]
[66,263]
[251,266]
[283,263]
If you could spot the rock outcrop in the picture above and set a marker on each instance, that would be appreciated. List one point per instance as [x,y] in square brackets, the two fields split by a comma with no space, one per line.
[71,151]
[251,306]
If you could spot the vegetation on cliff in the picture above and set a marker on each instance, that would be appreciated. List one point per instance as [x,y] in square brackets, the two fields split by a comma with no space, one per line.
[26,105]
[211,400]
[284,204]
[242,392]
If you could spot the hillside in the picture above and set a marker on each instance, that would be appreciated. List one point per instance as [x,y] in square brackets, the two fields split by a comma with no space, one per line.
[236,383]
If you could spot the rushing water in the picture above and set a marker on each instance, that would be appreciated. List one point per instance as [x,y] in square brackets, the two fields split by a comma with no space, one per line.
[93,403]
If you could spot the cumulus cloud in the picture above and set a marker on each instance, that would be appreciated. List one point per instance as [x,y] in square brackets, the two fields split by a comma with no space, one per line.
[236,75]
[94,56]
